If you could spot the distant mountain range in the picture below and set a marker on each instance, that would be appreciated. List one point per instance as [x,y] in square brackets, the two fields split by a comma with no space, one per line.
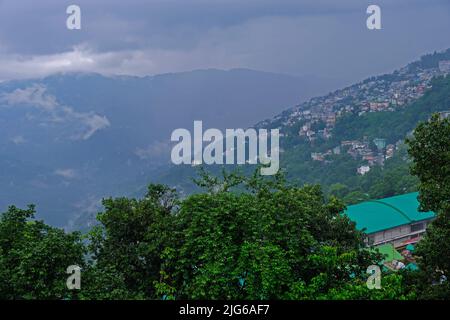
[68,140]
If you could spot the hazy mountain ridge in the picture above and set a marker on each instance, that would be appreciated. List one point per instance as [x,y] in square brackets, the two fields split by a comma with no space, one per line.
[78,137]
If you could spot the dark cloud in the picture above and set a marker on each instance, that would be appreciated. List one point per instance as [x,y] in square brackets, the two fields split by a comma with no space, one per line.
[322,37]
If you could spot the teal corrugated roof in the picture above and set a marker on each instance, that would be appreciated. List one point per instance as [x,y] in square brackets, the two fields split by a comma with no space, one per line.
[387,213]
[409,204]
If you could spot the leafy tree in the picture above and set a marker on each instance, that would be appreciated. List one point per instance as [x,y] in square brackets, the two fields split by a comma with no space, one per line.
[430,149]
[434,252]
[128,244]
[260,244]
[338,190]
[34,257]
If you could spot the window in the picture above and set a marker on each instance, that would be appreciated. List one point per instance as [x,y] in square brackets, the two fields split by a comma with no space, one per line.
[417,227]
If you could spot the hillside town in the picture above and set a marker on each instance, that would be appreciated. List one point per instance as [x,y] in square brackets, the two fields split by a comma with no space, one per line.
[317,117]
[361,150]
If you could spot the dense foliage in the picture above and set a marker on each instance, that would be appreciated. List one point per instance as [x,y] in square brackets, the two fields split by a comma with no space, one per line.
[34,257]
[430,149]
[243,238]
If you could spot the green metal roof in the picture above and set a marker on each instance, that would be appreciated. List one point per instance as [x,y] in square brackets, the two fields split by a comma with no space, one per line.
[389,252]
[387,213]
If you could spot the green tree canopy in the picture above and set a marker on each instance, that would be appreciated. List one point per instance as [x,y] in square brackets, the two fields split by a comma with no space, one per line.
[430,150]
[34,257]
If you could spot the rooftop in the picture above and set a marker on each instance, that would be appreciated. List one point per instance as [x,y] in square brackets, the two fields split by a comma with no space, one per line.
[387,213]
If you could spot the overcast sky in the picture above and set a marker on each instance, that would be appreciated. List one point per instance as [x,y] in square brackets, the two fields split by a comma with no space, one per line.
[325,38]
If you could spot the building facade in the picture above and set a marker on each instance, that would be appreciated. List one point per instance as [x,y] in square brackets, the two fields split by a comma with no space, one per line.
[394,220]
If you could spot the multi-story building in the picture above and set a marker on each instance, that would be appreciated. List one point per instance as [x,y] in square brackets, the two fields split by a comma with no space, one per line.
[394,220]
[444,66]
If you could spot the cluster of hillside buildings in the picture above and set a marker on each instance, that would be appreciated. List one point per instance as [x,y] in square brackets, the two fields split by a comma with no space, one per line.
[384,93]
[361,150]
[317,117]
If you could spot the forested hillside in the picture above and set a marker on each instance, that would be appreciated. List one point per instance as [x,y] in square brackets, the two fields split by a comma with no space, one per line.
[338,173]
